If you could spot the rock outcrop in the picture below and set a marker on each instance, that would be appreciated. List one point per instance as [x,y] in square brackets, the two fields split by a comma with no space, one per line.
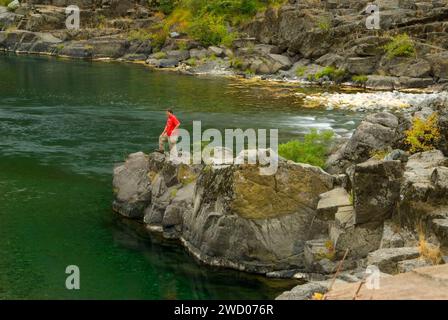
[334,34]
[227,216]
[423,189]
[376,133]
[387,259]
[131,186]
[376,190]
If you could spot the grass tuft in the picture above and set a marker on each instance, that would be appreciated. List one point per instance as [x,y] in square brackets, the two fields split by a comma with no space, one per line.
[400,46]
[313,149]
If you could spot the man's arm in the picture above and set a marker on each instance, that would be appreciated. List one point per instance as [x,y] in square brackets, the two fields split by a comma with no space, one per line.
[164,131]
[177,125]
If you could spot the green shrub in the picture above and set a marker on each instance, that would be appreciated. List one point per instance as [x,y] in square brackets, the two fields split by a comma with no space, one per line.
[192,62]
[167,6]
[360,79]
[400,46]
[139,35]
[312,150]
[5,2]
[229,38]
[209,21]
[158,39]
[208,30]
[300,71]
[424,134]
[380,154]
[159,55]
[324,25]
[332,74]
[182,45]
[236,63]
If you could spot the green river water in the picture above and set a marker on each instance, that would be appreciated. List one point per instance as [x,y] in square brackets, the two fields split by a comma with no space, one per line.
[63,126]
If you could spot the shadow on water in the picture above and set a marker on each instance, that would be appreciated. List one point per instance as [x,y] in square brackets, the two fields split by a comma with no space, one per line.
[210,282]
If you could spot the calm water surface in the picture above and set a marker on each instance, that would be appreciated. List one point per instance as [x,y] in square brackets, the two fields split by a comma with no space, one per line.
[63,125]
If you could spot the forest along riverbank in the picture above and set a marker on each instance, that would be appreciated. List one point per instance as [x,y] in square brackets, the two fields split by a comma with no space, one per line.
[381,203]
[293,41]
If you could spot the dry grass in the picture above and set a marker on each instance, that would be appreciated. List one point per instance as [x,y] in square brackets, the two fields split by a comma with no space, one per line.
[428,251]
[379,154]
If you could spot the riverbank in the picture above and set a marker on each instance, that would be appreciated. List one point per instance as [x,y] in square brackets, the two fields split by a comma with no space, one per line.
[344,96]
[337,52]
[379,204]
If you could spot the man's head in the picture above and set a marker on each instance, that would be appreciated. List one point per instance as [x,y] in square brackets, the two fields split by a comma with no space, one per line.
[169,112]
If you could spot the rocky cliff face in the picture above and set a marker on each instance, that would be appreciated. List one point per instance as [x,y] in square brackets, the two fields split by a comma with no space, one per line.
[334,33]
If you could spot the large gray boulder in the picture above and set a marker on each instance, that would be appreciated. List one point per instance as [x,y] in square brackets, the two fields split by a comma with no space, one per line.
[376,190]
[25,41]
[49,20]
[440,227]
[132,187]
[179,55]
[377,132]
[7,18]
[199,53]
[361,65]
[387,259]
[439,62]
[358,240]
[406,67]
[255,223]
[281,62]
[424,177]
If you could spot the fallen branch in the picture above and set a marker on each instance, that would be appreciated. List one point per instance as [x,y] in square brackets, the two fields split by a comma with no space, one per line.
[336,274]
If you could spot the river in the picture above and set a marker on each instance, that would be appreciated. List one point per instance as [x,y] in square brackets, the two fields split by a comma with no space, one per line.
[63,126]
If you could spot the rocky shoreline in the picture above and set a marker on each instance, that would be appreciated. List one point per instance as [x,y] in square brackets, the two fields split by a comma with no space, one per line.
[284,44]
[375,205]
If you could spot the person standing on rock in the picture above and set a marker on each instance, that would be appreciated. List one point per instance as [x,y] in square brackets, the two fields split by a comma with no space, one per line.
[169,134]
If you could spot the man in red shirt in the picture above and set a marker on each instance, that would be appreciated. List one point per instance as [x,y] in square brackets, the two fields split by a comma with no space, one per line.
[169,134]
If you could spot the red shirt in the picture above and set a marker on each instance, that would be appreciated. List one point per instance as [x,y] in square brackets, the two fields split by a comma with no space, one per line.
[171,123]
